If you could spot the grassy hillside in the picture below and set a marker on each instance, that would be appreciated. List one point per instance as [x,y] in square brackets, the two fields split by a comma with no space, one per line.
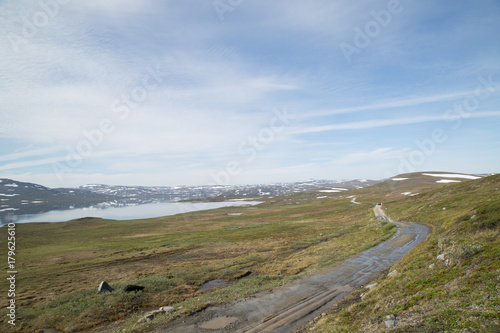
[61,264]
[450,282]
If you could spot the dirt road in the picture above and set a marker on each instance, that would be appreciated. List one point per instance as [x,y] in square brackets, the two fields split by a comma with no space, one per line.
[287,308]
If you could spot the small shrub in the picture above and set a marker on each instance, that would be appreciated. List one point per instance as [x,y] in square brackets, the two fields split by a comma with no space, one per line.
[465,251]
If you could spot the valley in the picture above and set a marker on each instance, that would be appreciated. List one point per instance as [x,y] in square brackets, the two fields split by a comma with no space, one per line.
[247,253]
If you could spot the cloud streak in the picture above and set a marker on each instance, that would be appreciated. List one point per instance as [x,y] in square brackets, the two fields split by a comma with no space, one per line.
[367,124]
[221,82]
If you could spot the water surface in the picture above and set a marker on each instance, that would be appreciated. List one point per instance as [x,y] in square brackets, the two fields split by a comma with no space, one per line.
[130,212]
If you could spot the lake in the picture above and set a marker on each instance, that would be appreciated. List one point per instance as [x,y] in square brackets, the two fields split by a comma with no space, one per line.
[129,212]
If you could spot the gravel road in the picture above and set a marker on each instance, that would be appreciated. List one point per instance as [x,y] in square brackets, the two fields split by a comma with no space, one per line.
[287,308]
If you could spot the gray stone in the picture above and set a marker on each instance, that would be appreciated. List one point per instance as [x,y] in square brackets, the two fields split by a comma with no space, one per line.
[151,315]
[167,309]
[391,323]
[371,286]
[393,273]
[104,287]
[431,266]
[440,257]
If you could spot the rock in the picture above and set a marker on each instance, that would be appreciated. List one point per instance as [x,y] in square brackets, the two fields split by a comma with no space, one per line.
[131,287]
[393,273]
[440,257]
[151,315]
[104,287]
[431,266]
[371,286]
[167,309]
[391,323]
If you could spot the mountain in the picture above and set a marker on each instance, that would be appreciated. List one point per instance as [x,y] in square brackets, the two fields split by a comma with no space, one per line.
[177,193]
[427,178]
[18,198]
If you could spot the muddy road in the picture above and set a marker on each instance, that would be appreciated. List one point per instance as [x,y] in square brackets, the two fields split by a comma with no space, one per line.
[287,308]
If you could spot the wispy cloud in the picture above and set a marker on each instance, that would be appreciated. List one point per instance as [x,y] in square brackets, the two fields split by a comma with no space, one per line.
[222,80]
[396,103]
[28,153]
[366,124]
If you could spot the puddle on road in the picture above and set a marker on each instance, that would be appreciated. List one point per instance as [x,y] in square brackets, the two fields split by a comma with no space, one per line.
[220,283]
[217,283]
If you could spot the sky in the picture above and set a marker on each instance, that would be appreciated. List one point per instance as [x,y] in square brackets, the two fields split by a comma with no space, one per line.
[153,92]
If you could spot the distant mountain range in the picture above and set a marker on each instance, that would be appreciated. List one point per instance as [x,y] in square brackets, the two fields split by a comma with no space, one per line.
[20,198]
[178,193]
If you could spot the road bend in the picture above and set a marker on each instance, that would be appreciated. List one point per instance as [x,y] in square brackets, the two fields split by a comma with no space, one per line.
[289,307]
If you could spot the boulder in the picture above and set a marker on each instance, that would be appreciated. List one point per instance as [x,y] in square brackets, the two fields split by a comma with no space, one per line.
[371,286]
[151,315]
[104,287]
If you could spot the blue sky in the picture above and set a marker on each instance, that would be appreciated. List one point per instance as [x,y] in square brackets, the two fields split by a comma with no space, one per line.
[243,92]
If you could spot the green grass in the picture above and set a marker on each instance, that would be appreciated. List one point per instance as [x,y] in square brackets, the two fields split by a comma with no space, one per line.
[429,295]
[61,264]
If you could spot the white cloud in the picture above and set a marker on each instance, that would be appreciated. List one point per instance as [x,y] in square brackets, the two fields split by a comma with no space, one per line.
[221,81]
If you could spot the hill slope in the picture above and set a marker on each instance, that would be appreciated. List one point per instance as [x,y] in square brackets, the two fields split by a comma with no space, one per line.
[448,283]
[28,198]
[429,178]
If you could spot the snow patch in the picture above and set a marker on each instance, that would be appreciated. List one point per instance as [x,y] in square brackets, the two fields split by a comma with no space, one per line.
[406,193]
[330,191]
[396,179]
[8,195]
[448,181]
[450,175]
[322,197]
[12,185]
[6,209]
